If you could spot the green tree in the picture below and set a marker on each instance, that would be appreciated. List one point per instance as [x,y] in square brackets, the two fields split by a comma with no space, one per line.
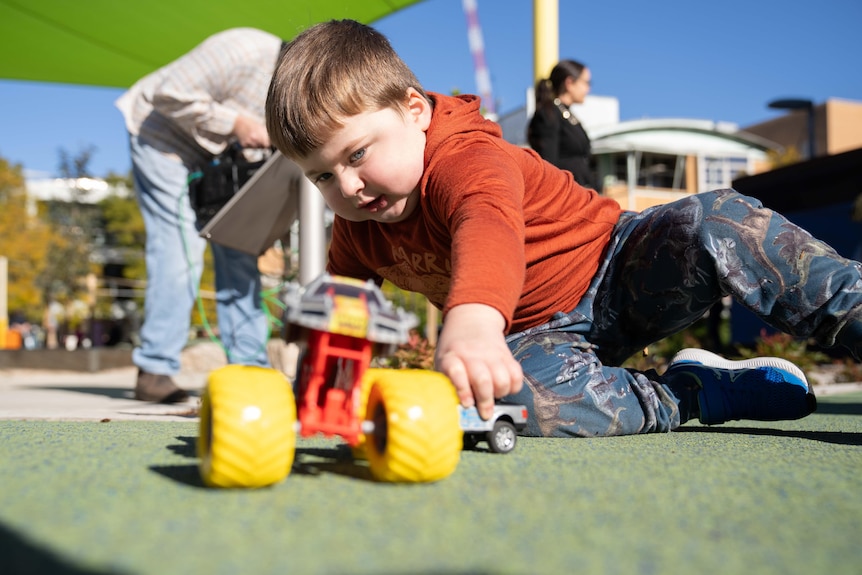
[787,156]
[124,227]
[11,178]
[77,166]
[75,224]
[26,239]
[119,180]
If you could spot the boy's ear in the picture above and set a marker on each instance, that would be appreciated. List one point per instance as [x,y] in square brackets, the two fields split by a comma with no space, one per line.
[418,109]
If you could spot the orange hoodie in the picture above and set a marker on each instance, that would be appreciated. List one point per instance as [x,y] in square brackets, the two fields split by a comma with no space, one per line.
[495,225]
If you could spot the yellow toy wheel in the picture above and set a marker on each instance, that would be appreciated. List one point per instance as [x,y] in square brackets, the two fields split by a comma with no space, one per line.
[417,436]
[247,427]
[368,378]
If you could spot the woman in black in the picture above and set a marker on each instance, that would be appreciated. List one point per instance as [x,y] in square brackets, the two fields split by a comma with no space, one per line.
[554,132]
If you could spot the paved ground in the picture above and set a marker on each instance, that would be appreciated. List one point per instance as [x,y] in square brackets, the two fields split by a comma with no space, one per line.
[71,396]
[83,396]
[47,394]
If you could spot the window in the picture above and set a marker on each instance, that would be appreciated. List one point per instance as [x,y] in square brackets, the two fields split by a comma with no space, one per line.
[720,172]
[661,171]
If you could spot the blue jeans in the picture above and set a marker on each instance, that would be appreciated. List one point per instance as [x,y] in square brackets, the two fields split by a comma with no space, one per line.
[663,269]
[174,259]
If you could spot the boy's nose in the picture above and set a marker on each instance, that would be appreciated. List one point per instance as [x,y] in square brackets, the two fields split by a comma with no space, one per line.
[350,185]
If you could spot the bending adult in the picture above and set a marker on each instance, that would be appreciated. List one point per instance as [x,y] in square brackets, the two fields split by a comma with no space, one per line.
[179,117]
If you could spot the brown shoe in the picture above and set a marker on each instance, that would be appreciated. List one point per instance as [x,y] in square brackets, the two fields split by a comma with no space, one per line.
[158,388]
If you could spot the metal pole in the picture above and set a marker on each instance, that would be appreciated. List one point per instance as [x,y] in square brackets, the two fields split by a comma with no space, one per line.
[631,178]
[312,232]
[477,49]
[546,37]
[811,139]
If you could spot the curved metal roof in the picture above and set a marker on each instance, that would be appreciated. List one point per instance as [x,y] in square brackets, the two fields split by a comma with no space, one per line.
[678,136]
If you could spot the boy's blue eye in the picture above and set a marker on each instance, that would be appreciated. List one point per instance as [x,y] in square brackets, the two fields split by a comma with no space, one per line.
[323,177]
[357,155]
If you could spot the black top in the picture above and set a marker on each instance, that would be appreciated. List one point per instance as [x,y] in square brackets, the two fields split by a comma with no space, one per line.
[559,138]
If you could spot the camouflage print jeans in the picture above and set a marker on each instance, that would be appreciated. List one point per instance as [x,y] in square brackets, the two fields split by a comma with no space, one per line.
[663,269]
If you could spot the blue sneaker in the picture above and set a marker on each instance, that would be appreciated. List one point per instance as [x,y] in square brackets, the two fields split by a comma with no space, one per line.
[762,388]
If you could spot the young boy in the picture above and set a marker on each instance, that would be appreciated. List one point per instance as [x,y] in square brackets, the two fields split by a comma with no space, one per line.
[541,281]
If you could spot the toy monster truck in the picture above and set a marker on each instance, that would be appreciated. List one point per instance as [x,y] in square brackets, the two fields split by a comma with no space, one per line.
[404,421]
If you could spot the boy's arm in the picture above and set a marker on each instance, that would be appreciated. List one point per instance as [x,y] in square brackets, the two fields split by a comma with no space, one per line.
[472,352]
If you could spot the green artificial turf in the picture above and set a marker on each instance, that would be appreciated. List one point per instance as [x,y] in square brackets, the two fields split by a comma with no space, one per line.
[125,497]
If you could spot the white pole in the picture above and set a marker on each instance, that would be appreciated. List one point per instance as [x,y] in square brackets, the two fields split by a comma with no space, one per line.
[312,232]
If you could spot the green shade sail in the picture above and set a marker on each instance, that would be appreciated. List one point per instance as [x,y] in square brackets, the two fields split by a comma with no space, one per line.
[115,42]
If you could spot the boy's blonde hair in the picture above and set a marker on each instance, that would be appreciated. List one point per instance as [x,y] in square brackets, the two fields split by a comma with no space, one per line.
[328,73]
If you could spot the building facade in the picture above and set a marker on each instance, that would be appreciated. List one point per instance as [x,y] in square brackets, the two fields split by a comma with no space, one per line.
[642,163]
[837,128]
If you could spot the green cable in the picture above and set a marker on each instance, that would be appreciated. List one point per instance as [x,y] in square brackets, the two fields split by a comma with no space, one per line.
[266,295]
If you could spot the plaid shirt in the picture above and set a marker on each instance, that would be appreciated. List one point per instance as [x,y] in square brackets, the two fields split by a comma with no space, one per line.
[188,107]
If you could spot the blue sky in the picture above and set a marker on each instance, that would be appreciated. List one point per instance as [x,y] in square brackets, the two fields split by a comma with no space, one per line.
[665,59]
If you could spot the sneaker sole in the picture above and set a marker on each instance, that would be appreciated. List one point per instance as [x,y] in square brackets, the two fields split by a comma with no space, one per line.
[710,359]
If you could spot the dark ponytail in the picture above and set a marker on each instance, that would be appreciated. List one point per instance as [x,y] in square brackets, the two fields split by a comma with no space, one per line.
[549,88]
[544,93]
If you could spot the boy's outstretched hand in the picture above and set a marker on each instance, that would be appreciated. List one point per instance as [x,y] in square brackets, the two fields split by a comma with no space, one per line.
[472,352]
